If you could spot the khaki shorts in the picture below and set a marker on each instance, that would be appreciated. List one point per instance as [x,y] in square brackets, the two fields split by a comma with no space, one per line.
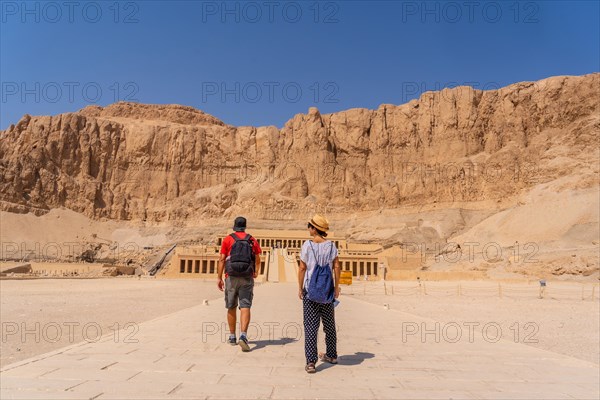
[239,289]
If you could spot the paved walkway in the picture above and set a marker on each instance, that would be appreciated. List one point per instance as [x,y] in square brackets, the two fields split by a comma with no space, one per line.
[383,355]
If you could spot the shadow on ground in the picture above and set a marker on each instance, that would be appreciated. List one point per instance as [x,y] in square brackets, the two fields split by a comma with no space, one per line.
[259,344]
[350,359]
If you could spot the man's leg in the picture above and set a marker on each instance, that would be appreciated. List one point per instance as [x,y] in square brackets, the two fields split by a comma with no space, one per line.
[231,320]
[246,293]
[244,319]
[244,322]
[231,303]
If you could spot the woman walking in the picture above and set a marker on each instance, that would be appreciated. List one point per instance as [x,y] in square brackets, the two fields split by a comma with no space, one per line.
[317,289]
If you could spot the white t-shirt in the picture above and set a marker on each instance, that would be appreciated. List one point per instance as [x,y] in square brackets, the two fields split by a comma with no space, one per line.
[325,253]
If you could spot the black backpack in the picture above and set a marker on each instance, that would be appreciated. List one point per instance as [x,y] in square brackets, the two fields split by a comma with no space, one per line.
[241,257]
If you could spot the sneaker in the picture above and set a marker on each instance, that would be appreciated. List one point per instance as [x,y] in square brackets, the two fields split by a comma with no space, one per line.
[232,340]
[244,343]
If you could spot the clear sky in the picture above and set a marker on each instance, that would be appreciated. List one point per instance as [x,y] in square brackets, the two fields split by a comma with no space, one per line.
[260,62]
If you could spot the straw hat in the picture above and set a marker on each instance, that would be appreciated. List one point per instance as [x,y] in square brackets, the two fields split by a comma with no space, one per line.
[319,222]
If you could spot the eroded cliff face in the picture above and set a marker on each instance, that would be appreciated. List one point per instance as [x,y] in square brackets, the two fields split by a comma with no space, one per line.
[162,163]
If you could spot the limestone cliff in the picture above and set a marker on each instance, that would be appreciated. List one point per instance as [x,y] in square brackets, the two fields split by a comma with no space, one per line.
[158,163]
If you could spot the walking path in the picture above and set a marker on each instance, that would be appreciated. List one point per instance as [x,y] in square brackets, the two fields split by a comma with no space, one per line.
[384,354]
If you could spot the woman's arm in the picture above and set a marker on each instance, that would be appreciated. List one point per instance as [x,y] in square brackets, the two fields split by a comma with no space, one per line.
[337,271]
[301,274]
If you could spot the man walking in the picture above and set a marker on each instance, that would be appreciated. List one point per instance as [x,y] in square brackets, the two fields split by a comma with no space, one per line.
[240,259]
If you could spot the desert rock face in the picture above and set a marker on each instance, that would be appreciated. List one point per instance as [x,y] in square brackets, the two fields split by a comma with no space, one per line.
[174,163]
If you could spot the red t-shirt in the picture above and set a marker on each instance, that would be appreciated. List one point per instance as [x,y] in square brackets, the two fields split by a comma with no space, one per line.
[228,243]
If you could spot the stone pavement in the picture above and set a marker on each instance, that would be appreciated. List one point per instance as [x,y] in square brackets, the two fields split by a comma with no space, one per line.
[384,354]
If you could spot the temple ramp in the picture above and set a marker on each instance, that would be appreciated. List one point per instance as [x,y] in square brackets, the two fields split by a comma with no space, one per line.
[273,267]
[290,266]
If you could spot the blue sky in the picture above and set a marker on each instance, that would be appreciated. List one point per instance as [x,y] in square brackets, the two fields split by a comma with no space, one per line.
[260,62]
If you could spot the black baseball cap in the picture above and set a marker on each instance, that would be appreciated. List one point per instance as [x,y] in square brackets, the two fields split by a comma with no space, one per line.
[240,224]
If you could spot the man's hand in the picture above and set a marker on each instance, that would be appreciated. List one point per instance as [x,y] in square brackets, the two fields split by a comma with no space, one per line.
[337,292]
[255,274]
[220,284]
[300,294]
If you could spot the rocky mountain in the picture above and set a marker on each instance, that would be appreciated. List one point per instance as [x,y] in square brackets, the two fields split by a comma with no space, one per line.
[171,163]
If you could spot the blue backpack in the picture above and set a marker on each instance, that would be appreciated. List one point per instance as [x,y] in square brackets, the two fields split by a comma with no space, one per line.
[320,287]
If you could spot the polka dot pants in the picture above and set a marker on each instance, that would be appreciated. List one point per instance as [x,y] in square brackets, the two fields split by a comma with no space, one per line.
[313,313]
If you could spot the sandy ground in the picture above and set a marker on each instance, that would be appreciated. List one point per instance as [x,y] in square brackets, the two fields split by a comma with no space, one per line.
[560,322]
[60,312]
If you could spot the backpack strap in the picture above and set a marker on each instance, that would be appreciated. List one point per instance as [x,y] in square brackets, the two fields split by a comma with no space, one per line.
[316,263]
[247,238]
[313,250]
[331,262]
[315,255]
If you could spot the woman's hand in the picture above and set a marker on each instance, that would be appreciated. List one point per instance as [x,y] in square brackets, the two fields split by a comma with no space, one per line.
[337,292]
[300,294]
